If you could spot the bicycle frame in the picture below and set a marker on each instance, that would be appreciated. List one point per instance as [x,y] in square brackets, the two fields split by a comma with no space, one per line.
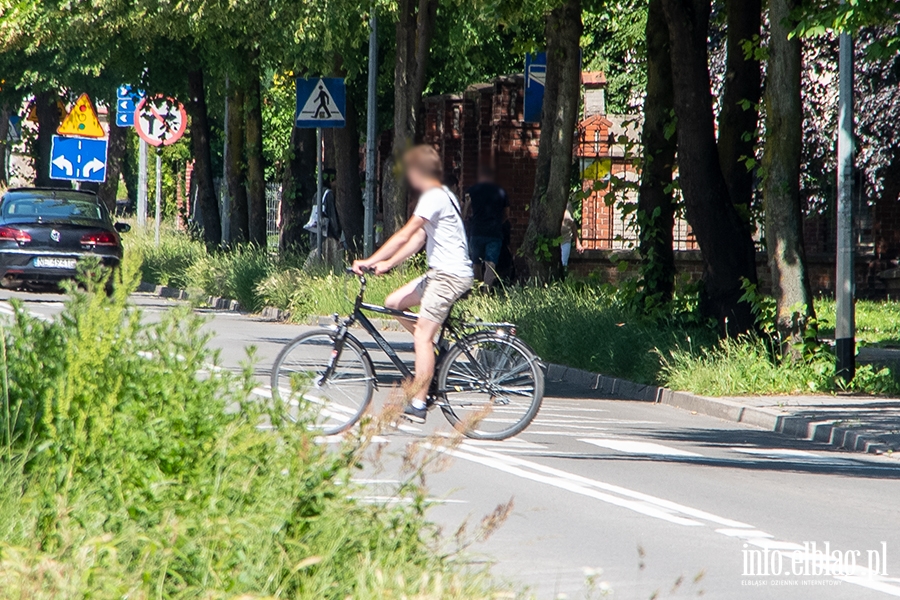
[357,316]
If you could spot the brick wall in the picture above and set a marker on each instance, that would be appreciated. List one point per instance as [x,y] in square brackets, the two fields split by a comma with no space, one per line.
[615,266]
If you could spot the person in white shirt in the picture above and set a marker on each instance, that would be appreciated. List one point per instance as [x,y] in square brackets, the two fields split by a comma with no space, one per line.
[437,223]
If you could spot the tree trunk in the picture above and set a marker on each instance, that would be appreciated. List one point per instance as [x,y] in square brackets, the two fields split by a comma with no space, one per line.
[558,120]
[424,34]
[256,177]
[347,188]
[723,235]
[781,190]
[208,204]
[234,167]
[414,33]
[130,168]
[740,101]
[48,123]
[115,157]
[298,190]
[656,204]
[4,146]
[394,192]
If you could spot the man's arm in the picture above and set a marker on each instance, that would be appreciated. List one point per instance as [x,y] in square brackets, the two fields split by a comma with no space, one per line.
[397,242]
[413,245]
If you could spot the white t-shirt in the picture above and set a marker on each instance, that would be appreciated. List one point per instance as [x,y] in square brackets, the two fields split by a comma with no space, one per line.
[446,247]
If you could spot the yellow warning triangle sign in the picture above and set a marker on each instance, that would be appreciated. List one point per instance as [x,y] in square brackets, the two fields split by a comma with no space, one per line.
[82,120]
[32,111]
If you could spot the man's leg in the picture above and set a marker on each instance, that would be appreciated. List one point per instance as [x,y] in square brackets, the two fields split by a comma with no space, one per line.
[475,256]
[405,298]
[491,256]
[423,338]
[490,273]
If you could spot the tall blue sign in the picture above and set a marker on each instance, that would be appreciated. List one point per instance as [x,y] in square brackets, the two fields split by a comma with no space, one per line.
[126,102]
[535,80]
[78,159]
[321,102]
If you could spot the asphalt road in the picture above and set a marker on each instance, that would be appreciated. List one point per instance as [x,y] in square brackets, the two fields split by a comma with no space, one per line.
[663,501]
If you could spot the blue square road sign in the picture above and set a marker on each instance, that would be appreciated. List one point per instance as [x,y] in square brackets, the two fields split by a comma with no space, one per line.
[78,159]
[321,102]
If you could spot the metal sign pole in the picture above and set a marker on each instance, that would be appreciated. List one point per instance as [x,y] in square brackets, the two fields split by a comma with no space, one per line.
[142,185]
[158,192]
[371,133]
[845,327]
[319,192]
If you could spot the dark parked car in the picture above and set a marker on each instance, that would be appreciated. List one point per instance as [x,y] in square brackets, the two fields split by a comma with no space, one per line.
[45,232]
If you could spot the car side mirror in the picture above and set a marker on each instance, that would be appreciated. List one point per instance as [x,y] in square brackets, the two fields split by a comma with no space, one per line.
[123,227]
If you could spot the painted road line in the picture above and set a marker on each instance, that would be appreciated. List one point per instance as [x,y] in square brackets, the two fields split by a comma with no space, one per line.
[666,510]
[6,309]
[794,455]
[505,464]
[638,447]
[659,502]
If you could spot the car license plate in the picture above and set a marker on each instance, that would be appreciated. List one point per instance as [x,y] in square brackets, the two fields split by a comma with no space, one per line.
[47,262]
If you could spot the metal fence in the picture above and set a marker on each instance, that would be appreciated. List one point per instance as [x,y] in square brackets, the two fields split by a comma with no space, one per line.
[273,214]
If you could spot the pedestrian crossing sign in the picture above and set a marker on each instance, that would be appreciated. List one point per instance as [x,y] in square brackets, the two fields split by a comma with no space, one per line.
[82,120]
[321,102]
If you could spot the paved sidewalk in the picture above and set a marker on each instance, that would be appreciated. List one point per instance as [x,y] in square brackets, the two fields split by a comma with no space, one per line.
[856,423]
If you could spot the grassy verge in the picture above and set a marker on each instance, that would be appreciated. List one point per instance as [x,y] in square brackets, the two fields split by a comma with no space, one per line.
[124,474]
[578,323]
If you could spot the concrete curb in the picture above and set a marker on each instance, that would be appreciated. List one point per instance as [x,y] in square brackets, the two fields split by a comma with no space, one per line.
[213,302]
[805,428]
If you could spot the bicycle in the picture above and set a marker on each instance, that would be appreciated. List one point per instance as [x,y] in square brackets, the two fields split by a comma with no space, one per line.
[488,383]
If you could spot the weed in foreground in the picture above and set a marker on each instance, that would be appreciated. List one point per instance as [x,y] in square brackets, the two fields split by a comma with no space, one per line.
[130,468]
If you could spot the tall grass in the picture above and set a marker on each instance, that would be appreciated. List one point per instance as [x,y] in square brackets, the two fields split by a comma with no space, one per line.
[170,262]
[589,326]
[129,468]
[751,366]
[303,294]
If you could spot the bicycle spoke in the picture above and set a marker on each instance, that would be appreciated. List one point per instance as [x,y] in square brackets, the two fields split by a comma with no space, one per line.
[333,403]
[492,386]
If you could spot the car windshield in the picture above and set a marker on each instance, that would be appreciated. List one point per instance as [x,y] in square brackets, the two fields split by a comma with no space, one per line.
[51,209]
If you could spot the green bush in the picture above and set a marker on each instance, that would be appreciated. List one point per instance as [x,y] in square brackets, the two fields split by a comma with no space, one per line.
[234,274]
[751,366]
[131,467]
[168,263]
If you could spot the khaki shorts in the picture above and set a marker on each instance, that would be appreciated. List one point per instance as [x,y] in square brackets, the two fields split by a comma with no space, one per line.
[438,291]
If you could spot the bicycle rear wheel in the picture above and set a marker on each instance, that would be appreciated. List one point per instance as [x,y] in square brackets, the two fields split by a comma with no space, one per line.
[330,404]
[490,386]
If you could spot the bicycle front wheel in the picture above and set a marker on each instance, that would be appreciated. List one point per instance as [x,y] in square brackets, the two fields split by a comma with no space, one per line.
[490,386]
[328,398]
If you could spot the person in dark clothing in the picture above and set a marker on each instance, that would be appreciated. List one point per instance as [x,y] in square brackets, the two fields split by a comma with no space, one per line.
[487,207]
[331,227]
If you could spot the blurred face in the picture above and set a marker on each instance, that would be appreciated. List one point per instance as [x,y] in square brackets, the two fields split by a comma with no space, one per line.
[417,180]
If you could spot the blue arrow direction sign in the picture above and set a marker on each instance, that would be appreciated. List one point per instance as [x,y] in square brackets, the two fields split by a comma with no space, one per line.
[126,102]
[321,102]
[535,78]
[125,112]
[78,159]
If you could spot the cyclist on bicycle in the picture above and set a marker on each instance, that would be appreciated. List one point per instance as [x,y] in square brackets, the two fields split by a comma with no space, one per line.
[437,223]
